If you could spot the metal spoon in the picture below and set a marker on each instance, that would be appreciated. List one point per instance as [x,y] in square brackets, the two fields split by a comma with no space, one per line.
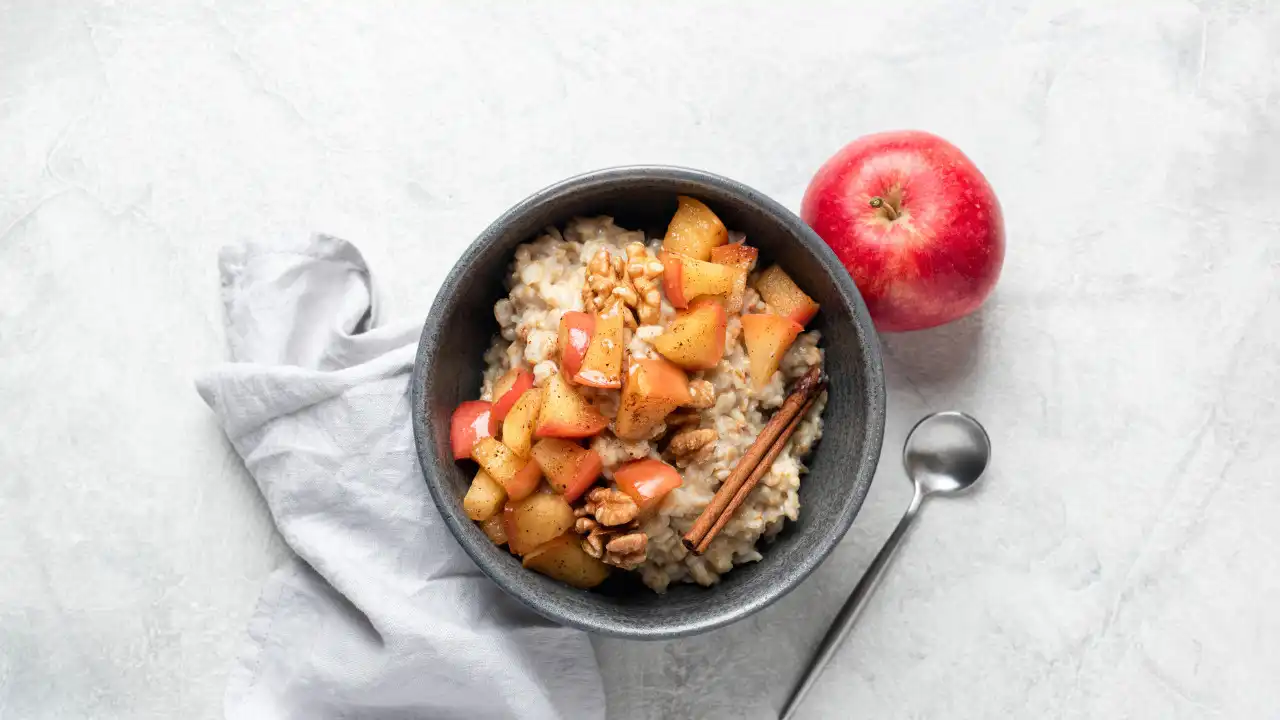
[945,453]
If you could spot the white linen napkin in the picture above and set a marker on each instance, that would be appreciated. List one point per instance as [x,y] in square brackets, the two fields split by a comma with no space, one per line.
[381,614]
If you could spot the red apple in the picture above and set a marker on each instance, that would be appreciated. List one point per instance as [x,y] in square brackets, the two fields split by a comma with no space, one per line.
[915,223]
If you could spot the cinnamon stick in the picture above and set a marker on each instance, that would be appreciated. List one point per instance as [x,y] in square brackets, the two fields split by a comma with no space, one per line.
[805,389]
[761,469]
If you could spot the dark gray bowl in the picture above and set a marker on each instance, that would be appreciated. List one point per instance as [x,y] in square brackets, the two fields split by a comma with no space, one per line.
[461,326]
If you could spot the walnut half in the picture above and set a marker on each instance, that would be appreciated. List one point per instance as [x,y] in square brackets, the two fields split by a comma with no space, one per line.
[611,507]
[703,394]
[627,551]
[608,522]
[693,445]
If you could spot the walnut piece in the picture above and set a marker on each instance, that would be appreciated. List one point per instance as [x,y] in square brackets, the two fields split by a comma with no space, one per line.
[703,393]
[625,547]
[688,442]
[627,551]
[628,287]
[611,507]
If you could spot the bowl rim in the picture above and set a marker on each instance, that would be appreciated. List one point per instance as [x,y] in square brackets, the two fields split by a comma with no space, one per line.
[450,507]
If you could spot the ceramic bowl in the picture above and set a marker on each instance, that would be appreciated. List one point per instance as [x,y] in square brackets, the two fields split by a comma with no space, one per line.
[461,326]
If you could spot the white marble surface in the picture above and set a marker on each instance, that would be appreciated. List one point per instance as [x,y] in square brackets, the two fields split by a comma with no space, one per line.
[1122,561]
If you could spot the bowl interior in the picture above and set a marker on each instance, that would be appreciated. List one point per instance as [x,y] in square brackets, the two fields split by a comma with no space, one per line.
[461,327]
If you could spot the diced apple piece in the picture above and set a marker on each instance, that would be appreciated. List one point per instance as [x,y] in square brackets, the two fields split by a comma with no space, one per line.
[495,528]
[526,480]
[653,388]
[785,297]
[565,413]
[694,230]
[508,389]
[517,429]
[673,278]
[686,279]
[563,559]
[519,477]
[484,498]
[471,421]
[535,520]
[695,339]
[602,365]
[767,338]
[569,467]
[706,278]
[647,481]
[576,329]
[739,255]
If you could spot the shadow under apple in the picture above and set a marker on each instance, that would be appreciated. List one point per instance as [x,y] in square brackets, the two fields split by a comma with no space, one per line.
[936,360]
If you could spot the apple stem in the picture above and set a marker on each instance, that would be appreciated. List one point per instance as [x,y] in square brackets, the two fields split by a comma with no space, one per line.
[886,208]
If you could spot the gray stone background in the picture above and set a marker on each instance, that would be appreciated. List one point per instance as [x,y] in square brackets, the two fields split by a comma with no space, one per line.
[1123,559]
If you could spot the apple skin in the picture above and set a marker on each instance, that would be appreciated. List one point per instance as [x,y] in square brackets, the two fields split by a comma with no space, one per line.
[940,257]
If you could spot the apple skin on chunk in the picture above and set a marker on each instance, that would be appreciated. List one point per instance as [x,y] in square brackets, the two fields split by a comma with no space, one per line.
[739,255]
[694,230]
[784,296]
[471,421]
[565,413]
[569,467]
[576,329]
[647,481]
[508,389]
[695,338]
[686,279]
[602,365]
[767,338]
[653,388]
[562,558]
[518,427]
[518,476]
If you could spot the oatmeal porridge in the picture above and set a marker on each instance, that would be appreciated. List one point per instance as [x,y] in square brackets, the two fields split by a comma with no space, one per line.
[635,374]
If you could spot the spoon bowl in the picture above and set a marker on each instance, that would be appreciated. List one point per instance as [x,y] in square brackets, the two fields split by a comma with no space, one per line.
[946,453]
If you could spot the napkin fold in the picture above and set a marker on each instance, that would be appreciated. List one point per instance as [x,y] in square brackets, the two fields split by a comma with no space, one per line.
[380,614]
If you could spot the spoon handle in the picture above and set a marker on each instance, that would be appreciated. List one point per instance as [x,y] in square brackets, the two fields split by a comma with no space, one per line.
[844,620]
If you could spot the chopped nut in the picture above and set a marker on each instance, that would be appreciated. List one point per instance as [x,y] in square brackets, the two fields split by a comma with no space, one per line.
[611,507]
[649,314]
[613,284]
[703,393]
[585,525]
[627,551]
[627,295]
[628,317]
[687,442]
[626,544]
[624,547]
[594,545]
[599,264]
